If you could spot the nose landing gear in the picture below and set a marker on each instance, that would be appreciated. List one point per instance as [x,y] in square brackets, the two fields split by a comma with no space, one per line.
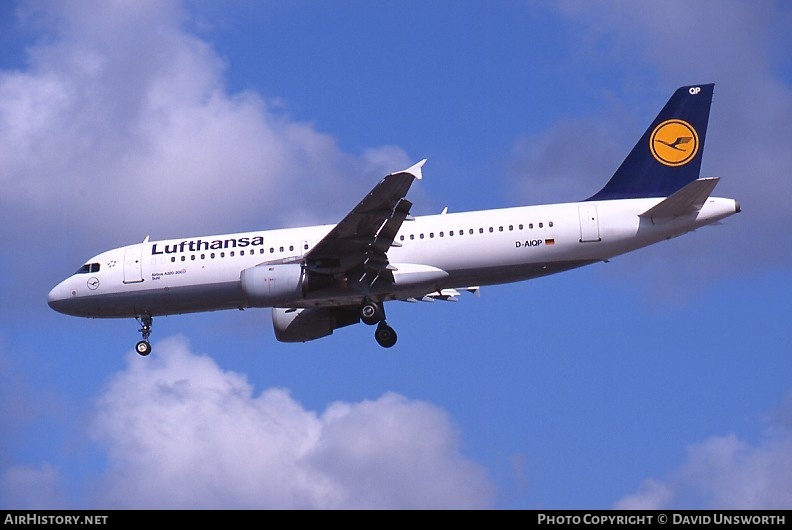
[143,347]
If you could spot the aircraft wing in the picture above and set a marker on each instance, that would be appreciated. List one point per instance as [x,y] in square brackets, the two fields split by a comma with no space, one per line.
[358,244]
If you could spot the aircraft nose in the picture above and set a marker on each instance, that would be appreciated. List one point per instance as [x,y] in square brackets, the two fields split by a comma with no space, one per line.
[58,298]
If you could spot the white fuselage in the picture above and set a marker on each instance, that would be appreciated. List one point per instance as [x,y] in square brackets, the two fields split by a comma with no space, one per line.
[450,250]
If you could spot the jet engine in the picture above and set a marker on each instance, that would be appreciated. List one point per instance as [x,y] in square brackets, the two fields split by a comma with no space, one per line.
[271,285]
[302,325]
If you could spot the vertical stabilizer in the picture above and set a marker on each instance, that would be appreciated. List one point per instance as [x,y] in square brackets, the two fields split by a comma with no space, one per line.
[668,155]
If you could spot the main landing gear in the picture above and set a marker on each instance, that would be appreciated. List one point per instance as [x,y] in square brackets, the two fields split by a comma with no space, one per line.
[374,313]
[143,347]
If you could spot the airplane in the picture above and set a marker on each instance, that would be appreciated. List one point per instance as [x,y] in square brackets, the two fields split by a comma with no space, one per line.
[317,279]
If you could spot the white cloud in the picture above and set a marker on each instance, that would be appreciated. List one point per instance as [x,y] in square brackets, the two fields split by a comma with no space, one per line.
[120,125]
[556,166]
[123,113]
[23,487]
[182,433]
[652,495]
[750,124]
[725,472]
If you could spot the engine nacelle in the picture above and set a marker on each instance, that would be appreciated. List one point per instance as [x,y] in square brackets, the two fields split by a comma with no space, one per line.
[272,285]
[302,325]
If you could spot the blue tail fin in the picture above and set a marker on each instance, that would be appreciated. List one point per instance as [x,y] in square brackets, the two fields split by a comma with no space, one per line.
[668,155]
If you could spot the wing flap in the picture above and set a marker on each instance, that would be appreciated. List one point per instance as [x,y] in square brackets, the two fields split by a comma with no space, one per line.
[447,295]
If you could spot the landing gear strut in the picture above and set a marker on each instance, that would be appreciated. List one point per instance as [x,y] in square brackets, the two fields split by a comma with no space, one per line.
[374,313]
[143,347]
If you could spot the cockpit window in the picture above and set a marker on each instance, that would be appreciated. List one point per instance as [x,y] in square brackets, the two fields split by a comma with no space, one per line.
[87,268]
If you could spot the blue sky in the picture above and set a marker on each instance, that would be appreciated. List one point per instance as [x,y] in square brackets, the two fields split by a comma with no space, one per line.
[661,379]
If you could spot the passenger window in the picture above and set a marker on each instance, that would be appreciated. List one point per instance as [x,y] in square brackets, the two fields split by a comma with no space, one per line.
[481,230]
[421,236]
[520,227]
[471,231]
[500,229]
[401,238]
[441,234]
[490,229]
[550,224]
[530,225]
[281,249]
[541,225]
[511,228]
[431,234]
[173,259]
[412,236]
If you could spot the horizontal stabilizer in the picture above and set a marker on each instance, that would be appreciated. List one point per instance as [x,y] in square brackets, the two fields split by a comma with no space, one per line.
[688,200]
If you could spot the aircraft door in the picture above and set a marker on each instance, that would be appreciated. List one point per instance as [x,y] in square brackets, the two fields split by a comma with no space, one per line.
[589,223]
[133,264]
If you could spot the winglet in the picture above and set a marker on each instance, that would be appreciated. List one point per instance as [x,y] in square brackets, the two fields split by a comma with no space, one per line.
[414,170]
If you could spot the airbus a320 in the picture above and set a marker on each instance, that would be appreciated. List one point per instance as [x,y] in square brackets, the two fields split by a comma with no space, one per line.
[317,279]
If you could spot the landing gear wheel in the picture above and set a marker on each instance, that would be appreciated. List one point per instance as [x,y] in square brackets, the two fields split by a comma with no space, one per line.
[143,348]
[372,313]
[385,335]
